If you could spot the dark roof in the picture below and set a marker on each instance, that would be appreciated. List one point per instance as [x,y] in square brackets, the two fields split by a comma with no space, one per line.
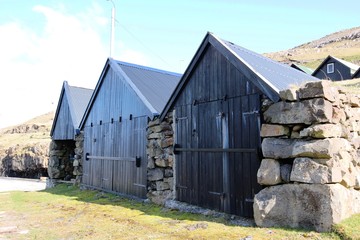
[152,86]
[268,75]
[302,68]
[353,67]
[155,85]
[78,98]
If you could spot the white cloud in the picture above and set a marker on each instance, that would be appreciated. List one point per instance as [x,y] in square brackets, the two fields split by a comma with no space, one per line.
[35,63]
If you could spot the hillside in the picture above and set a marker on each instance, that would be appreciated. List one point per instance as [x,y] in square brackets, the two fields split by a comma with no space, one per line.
[343,44]
[24,148]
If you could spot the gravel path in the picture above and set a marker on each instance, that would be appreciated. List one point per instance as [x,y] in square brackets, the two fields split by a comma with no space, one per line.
[21,184]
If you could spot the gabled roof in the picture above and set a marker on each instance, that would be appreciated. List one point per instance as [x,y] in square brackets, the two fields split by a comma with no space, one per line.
[268,75]
[353,67]
[356,74]
[152,86]
[78,98]
[302,68]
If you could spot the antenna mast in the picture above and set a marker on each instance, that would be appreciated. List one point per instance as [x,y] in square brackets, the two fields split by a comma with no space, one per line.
[112,36]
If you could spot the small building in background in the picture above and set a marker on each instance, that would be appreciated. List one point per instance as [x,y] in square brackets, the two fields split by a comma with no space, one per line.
[65,131]
[125,98]
[335,69]
[302,68]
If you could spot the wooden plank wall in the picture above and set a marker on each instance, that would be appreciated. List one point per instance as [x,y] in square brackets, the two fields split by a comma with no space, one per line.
[116,128]
[218,102]
[64,129]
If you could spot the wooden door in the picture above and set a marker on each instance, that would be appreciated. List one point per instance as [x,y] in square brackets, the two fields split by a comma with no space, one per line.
[217,154]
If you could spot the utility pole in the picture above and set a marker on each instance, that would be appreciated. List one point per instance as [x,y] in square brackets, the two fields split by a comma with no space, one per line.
[112,36]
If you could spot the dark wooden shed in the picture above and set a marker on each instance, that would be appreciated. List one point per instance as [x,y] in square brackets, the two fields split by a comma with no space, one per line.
[70,109]
[335,69]
[217,115]
[125,98]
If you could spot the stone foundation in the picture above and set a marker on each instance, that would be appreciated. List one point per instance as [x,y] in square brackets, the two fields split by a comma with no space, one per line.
[160,153]
[310,147]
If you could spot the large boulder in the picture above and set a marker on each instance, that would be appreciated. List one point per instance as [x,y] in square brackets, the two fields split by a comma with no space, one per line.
[318,89]
[310,111]
[311,206]
[278,148]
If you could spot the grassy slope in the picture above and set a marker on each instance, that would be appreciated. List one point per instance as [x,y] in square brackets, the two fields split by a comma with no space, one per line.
[65,212]
[311,55]
[7,139]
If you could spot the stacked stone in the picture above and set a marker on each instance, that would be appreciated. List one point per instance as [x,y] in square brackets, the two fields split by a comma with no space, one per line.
[78,160]
[59,164]
[310,145]
[160,153]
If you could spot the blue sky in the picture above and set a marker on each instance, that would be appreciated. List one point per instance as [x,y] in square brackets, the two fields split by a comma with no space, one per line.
[44,42]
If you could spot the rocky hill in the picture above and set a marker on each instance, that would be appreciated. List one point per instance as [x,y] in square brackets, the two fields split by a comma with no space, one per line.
[343,44]
[24,148]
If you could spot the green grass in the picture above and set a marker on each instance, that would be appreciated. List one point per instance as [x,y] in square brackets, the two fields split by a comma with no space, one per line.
[349,228]
[65,212]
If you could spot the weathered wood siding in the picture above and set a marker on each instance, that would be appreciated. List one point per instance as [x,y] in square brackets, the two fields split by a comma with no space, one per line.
[218,109]
[341,72]
[64,129]
[115,134]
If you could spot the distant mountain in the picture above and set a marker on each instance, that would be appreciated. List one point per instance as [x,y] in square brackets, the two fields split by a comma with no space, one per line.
[343,44]
[24,148]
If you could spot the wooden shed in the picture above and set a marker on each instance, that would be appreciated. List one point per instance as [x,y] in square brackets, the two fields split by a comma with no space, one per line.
[126,97]
[217,118]
[69,112]
[335,69]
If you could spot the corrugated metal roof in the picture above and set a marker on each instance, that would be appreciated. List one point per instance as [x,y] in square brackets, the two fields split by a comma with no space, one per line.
[277,75]
[155,85]
[78,100]
[302,68]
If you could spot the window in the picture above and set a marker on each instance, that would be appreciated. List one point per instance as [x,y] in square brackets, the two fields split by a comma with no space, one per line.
[330,68]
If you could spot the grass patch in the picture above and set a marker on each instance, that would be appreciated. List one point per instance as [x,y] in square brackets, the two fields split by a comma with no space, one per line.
[349,228]
[66,212]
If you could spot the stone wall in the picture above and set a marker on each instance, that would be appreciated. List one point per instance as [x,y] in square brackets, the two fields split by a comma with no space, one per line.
[311,164]
[65,160]
[160,153]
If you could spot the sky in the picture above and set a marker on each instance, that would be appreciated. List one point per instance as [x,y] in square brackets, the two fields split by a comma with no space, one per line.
[44,42]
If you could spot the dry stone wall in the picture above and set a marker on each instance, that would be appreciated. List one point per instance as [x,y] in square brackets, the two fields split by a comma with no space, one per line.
[311,158]
[160,153]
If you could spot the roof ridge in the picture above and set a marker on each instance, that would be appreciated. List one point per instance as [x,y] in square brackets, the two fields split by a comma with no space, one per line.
[147,68]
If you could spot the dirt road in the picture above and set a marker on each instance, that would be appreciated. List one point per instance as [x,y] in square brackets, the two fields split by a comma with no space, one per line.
[21,184]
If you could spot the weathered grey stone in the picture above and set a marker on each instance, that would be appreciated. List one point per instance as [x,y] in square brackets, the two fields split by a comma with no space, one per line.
[168,172]
[308,112]
[277,148]
[271,130]
[155,174]
[170,181]
[295,135]
[338,115]
[269,172]
[161,186]
[162,162]
[151,163]
[154,135]
[322,131]
[153,123]
[285,171]
[308,171]
[311,206]
[167,142]
[354,100]
[160,197]
[317,89]
[289,94]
